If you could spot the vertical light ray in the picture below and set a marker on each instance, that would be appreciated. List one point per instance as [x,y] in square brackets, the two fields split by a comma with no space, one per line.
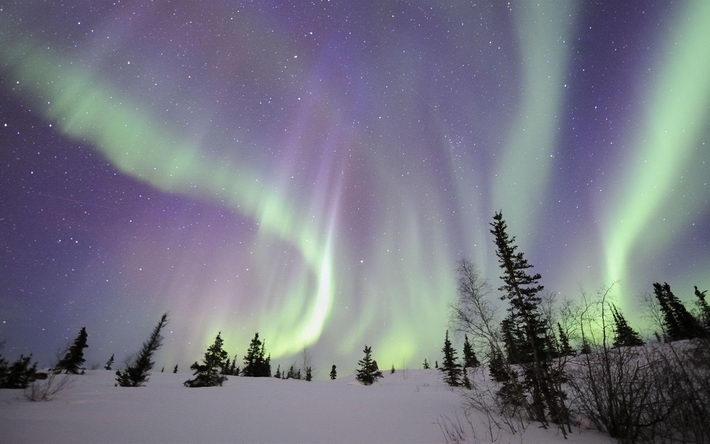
[673,120]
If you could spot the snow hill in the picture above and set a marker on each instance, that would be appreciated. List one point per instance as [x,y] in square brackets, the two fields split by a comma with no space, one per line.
[404,407]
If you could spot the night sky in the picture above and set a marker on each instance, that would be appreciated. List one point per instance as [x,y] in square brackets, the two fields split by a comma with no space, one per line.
[315,170]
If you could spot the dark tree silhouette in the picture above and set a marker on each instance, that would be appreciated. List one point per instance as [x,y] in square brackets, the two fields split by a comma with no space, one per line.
[677,321]
[469,356]
[624,335]
[703,308]
[426,365]
[19,374]
[309,374]
[528,328]
[255,361]
[138,372]
[368,372]
[451,368]
[565,348]
[175,369]
[333,373]
[109,363]
[209,373]
[74,356]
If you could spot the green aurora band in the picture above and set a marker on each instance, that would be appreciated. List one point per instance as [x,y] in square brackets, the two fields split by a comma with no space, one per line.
[85,108]
[674,120]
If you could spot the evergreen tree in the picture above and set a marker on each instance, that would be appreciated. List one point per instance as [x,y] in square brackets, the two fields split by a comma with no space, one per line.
[703,308]
[137,373]
[368,371]
[469,356]
[585,348]
[333,373]
[565,348]
[19,374]
[392,370]
[678,322]
[162,370]
[74,356]
[436,364]
[624,335]
[426,364]
[175,369]
[209,374]
[528,329]
[255,362]
[278,372]
[109,363]
[451,368]
[309,374]
[465,381]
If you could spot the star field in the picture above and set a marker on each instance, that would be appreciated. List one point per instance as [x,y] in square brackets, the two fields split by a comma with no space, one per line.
[314,170]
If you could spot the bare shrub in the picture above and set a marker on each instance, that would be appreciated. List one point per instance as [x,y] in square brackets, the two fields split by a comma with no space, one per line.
[47,389]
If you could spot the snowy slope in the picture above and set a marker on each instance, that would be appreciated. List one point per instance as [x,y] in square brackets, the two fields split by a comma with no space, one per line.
[405,407]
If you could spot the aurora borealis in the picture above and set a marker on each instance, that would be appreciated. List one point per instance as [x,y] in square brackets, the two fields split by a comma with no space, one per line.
[314,170]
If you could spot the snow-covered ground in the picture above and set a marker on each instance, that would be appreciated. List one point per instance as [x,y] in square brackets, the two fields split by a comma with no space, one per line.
[404,407]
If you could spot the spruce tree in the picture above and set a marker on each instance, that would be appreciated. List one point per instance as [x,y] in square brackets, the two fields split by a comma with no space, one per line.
[678,322]
[278,372]
[255,362]
[368,372]
[451,368]
[309,374]
[138,371]
[74,356]
[426,364]
[469,356]
[19,374]
[624,335]
[109,363]
[565,348]
[209,374]
[703,308]
[175,369]
[333,373]
[392,370]
[528,329]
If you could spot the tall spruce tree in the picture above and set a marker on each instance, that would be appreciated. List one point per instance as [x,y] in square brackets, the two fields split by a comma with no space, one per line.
[255,361]
[426,365]
[333,373]
[677,321]
[138,371]
[19,374]
[528,327]
[74,356]
[469,356]
[624,335]
[209,373]
[368,372]
[449,365]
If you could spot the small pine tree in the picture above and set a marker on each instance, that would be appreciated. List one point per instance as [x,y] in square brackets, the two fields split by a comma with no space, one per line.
[624,335]
[451,368]
[333,373]
[309,374]
[162,370]
[392,370]
[465,381]
[585,348]
[278,372]
[703,308]
[109,363]
[436,364]
[255,362]
[426,364]
[469,356]
[208,374]
[565,348]
[138,372]
[368,371]
[74,356]
[19,374]
[175,369]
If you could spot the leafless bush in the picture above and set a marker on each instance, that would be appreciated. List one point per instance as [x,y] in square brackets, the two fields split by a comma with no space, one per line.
[452,429]
[47,389]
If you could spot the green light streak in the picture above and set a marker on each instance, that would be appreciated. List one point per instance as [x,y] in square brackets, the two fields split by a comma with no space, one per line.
[528,151]
[673,120]
[86,108]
